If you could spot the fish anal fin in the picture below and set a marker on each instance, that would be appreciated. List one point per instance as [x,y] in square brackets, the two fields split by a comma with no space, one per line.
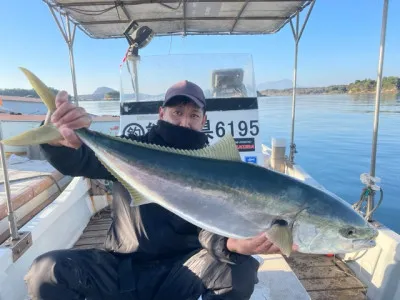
[280,234]
[137,198]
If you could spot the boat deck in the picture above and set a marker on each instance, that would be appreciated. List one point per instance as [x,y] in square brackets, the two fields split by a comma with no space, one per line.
[323,277]
[326,278]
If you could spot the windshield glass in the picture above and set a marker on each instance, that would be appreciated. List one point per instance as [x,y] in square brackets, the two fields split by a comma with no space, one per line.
[219,75]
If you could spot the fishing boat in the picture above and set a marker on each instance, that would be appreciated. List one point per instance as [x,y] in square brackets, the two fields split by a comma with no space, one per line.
[43,210]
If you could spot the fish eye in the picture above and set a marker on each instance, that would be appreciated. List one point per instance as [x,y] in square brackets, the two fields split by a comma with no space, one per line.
[348,232]
[280,222]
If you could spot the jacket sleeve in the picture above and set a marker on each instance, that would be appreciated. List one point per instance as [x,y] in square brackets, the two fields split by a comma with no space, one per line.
[79,162]
[216,247]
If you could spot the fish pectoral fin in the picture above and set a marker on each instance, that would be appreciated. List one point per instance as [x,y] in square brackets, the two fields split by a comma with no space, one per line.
[281,236]
[36,136]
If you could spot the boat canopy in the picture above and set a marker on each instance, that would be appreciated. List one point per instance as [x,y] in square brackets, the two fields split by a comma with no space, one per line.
[104,19]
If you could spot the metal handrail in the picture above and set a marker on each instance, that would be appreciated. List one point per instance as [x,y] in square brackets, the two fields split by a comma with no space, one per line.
[12,224]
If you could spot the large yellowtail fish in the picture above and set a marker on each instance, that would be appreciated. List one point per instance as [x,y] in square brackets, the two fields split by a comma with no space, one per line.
[213,189]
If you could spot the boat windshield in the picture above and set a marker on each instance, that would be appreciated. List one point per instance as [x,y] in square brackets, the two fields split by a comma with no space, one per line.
[219,75]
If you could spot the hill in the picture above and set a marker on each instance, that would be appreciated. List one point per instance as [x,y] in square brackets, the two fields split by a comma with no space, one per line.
[23,92]
[103,90]
[390,85]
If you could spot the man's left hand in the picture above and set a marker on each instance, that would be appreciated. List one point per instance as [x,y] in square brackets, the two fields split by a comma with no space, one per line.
[256,245]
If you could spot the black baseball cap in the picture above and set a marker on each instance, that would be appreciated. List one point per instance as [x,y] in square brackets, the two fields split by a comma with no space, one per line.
[186,89]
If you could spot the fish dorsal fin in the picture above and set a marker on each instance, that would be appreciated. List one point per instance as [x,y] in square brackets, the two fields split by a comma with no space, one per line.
[224,149]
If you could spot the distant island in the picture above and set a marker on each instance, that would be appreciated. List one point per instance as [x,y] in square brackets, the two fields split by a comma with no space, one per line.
[23,92]
[101,93]
[390,85]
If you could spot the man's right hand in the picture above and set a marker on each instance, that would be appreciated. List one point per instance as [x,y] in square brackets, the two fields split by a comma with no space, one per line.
[67,117]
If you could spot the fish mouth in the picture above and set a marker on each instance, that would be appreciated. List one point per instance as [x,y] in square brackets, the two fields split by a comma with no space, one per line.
[363,244]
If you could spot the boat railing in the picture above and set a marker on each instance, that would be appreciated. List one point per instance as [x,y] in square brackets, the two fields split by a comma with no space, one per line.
[18,242]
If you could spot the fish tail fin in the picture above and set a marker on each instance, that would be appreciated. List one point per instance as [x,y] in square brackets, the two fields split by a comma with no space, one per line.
[47,132]
[45,94]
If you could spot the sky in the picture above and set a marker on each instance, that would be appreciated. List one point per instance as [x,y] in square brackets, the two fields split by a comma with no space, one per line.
[339,45]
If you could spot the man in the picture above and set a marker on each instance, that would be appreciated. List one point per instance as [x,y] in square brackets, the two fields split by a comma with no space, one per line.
[150,253]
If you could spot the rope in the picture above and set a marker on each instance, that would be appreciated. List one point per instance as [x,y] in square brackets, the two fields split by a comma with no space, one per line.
[334,261]
[356,256]
[98,12]
[170,7]
[362,204]
[89,12]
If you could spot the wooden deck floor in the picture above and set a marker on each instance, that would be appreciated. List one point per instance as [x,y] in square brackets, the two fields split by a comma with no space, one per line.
[95,233]
[324,278]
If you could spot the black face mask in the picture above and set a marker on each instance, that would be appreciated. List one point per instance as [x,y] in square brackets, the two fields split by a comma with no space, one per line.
[167,134]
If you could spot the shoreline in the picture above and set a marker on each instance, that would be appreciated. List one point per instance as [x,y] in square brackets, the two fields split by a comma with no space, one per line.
[394,93]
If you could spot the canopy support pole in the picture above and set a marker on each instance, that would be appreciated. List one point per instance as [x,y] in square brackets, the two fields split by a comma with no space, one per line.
[69,38]
[297,36]
[370,203]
